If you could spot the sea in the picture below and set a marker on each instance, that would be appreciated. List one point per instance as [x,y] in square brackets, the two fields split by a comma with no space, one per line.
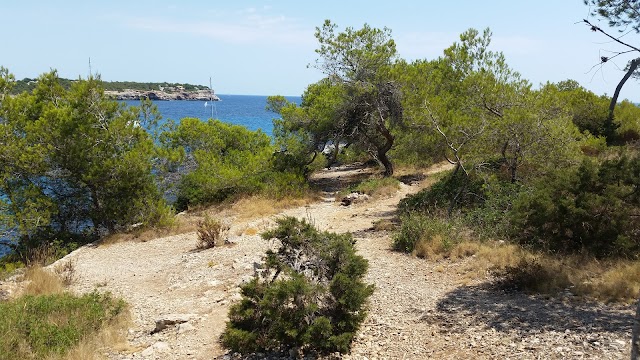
[245,110]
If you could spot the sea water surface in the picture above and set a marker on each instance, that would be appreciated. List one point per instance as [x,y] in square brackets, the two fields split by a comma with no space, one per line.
[245,110]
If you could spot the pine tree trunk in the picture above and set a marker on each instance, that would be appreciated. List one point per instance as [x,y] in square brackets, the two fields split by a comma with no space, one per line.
[388,166]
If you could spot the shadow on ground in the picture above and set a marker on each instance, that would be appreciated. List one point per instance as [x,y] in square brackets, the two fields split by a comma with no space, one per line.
[487,307]
[342,177]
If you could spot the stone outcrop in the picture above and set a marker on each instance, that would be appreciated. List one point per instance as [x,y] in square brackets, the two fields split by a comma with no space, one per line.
[129,94]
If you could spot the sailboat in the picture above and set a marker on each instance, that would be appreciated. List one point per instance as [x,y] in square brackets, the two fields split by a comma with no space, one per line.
[212,98]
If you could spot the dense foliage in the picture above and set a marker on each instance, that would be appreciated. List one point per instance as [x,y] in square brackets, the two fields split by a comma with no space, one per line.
[219,161]
[309,295]
[73,165]
[354,105]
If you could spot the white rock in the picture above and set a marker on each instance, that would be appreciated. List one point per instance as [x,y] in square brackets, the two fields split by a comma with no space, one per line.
[182,328]
[147,352]
[214,283]
[161,347]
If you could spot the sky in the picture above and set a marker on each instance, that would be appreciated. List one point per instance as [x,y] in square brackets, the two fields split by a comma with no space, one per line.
[264,47]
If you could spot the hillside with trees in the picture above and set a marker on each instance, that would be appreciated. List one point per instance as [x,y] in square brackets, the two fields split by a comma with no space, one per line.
[28,85]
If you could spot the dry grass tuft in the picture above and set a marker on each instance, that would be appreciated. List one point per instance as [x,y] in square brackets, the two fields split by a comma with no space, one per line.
[41,281]
[66,272]
[433,248]
[112,336]
[618,281]
[384,225]
[212,232]
[251,231]
[41,256]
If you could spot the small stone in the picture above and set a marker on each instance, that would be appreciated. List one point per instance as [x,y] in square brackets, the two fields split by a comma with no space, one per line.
[147,352]
[161,346]
[182,328]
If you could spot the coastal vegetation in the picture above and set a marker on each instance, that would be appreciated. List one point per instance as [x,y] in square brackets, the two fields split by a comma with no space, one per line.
[544,178]
[46,322]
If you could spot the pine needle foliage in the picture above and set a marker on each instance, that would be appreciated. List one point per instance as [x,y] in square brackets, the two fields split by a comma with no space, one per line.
[310,294]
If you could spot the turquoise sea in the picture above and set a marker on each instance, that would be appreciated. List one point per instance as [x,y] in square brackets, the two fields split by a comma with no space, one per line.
[245,110]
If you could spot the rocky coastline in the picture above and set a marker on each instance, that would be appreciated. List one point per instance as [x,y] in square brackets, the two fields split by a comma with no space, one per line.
[129,94]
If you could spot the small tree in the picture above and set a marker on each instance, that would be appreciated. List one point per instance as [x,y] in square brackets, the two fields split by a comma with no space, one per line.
[310,294]
[358,62]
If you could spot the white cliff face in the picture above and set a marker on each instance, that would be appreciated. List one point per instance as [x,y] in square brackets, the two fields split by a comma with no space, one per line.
[129,94]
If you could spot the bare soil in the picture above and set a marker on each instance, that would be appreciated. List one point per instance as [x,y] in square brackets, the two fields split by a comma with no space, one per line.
[419,309]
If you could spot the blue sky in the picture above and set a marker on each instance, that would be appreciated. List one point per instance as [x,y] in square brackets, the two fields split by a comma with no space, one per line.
[263,47]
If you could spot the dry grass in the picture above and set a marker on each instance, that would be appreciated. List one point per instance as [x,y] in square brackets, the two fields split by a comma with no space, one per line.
[66,271]
[618,281]
[112,336]
[434,248]
[41,281]
[384,225]
[212,232]
[181,225]
[41,255]
[609,281]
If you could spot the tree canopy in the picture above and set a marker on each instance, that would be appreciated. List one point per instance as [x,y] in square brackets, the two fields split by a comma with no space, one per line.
[73,163]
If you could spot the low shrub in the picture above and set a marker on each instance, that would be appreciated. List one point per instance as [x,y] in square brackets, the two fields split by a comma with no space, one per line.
[310,294]
[212,232]
[425,236]
[452,192]
[38,327]
[533,275]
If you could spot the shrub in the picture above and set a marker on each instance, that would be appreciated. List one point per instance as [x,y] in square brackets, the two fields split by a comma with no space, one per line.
[212,232]
[310,294]
[589,209]
[454,191]
[39,327]
[425,236]
[533,276]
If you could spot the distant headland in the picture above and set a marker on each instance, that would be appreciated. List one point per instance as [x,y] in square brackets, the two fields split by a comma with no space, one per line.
[131,94]
[130,90]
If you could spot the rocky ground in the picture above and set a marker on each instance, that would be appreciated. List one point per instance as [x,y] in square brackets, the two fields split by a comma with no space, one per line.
[180,296]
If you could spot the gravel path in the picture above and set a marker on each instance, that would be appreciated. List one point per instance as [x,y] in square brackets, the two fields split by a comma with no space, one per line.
[418,309]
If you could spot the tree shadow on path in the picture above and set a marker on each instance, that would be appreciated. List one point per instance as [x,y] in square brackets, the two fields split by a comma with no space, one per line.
[483,305]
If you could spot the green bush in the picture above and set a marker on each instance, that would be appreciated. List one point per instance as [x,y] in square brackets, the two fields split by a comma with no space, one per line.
[310,294]
[454,191]
[41,326]
[222,162]
[592,208]
[425,235]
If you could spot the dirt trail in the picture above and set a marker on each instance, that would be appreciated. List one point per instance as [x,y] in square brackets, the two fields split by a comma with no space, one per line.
[418,309]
